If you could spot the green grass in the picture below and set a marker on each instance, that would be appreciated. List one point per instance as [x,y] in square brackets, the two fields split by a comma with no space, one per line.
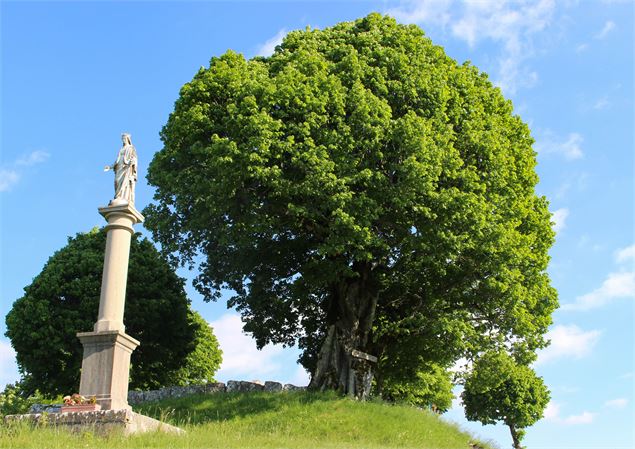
[265,420]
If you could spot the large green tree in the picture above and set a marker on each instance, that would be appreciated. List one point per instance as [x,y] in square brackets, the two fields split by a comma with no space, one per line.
[177,346]
[500,389]
[358,189]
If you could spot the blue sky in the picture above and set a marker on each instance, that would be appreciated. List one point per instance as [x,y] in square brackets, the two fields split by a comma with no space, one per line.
[75,75]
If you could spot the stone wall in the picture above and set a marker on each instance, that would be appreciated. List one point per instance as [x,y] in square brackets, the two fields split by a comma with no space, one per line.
[137,397]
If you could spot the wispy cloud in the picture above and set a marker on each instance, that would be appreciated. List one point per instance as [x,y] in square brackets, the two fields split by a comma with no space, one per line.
[581,48]
[559,219]
[583,418]
[570,148]
[609,26]
[8,178]
[270,45]
[576,181]
[618,403]
[512,25]
[602,103]
[36,157]
[616,286]
[422,11]
[569,342]
[11,174]
[552,413]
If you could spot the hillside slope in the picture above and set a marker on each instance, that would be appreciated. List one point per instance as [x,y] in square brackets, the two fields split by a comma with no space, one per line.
[266,420]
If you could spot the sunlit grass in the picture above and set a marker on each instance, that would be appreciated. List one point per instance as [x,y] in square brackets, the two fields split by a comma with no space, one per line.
[265,420]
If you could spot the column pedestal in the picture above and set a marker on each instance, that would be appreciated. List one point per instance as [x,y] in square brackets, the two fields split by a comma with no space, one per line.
[107,350]
[106,367]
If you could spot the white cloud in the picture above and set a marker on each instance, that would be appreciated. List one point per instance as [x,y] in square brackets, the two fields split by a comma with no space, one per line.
[268,47]
[583,418]
[8,367]
[559,219]
[602,103]
[582,47]
[615,286]
[577,182]
[608,27]
[511,24]
[552,411]
[242,360]
[625,254]
[241,357]
[8,178]
[569,148]
[422,11]
[616,403]
[36,157]
[568,342]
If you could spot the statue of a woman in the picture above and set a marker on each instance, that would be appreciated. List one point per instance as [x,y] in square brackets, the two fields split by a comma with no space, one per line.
[125,168]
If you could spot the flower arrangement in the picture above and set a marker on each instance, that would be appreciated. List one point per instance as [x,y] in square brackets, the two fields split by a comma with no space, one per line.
[78,403]
[78,399]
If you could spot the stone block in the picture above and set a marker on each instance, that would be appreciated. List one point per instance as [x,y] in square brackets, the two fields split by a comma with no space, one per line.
[273,386]
[45,408]
[243,386]
[101,422]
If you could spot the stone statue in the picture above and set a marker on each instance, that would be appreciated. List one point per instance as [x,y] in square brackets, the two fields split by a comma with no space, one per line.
[125,168]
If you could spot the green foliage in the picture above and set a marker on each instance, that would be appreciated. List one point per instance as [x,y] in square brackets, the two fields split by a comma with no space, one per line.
[14,400]
[294,420]
[428,386]
[202,362]
[360,151]
[64,299]
[499,389]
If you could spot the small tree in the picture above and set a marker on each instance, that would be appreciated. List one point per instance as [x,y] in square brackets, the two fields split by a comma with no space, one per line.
[177,346]
[499,389]
[417,382]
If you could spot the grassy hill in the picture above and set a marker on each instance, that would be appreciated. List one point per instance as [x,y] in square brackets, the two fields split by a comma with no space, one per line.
[265,420]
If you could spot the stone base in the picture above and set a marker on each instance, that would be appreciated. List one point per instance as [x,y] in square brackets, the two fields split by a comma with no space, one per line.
[102,422]
[105,367]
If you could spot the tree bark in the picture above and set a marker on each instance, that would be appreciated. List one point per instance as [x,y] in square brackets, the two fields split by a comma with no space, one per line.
[350,318]
[515,437]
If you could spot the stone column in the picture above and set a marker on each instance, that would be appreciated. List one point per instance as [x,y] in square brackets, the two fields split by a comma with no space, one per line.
[107,350]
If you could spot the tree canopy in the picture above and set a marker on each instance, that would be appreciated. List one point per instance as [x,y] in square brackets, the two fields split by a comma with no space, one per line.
[358,189]
[177,346]
[499,389]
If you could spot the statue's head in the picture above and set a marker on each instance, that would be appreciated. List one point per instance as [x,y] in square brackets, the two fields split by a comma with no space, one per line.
[126,139]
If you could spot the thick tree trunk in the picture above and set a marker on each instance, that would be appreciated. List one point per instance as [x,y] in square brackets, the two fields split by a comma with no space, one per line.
[515,437]
[350,318]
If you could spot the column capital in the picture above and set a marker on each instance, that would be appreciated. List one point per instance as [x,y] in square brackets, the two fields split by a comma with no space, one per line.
[124,209]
